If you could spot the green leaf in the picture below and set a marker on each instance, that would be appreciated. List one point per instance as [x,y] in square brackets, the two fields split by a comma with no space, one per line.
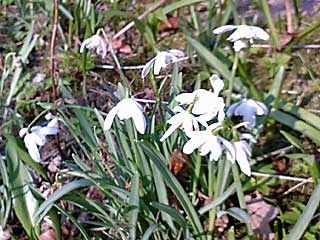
[293,140]
[177,189]
[134,204]
[24,203]
[275,90]
[301,225]
[212,60]
[176,5]
[301,113]
[149,231]
[231,190]
[297,125]
[46,205]
[237,213]
[172,212]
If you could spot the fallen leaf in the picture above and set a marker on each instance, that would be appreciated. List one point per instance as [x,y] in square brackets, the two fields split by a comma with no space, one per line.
[126,49]
[261,213]
[174,24]
[48,235]
[177,161]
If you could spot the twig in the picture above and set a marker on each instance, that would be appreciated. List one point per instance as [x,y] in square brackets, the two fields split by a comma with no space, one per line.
[283,177]
[52,66]
[289,16]
[309,180]
[52,46]
[142,16]
[303,46]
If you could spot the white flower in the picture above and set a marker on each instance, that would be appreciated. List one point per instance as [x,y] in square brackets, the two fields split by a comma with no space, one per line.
[161,60]
[4,234]
[248,109]
[242,151]
[125,109]
[95,42]
[242,32]
[183,120]
[206,103]
[36,138]
[206,142]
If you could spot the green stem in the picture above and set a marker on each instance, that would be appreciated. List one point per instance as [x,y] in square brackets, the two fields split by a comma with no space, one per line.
[240,195]
[233,74]
[196,178]
[84,86]
[217,183]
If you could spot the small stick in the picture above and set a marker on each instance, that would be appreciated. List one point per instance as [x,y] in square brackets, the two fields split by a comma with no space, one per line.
[289,16]
[282,177]
[52,46]
[141,17]
[296,186]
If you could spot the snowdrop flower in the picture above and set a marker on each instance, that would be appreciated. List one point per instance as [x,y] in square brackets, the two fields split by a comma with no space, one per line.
[161,60]
[242,33]
[37,138]
[206,142]
[125,109]
[248,109]
[95,42]
[205,103]
[242,151]
[183,120]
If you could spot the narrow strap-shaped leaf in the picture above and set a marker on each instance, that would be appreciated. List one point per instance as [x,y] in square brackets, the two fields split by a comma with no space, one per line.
[134,204]
[237,213]
[177,189]
[304,220]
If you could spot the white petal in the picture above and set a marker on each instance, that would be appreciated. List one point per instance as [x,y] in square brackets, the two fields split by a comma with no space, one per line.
[84,44]
[170,130]
[160,62]
[49,131]
[247,136]
[23,131]
[53,123]
[243,31]
[185,98]
[147,67]
[238,45]
[196,141]
[32,148]
[242,159]
[176,52]
[232,109]
[230,150]
[38,138]
[216,83]
[177,109]
[260,33]
[110,117]
[216,149]
[224,29]
[261,108]
[139,121]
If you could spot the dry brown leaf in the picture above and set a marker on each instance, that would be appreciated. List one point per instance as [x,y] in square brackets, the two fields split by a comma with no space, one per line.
[177,161]
[261,213]
[174,22]
[126,49]
[48,235]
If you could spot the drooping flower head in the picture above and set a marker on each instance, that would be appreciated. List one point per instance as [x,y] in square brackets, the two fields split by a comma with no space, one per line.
[248,109]
[161,60]
[37,138]
[125,109]
[95,42]
[242,34]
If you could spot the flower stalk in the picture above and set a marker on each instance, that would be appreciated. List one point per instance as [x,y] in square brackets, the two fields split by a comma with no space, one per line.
[233,75]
